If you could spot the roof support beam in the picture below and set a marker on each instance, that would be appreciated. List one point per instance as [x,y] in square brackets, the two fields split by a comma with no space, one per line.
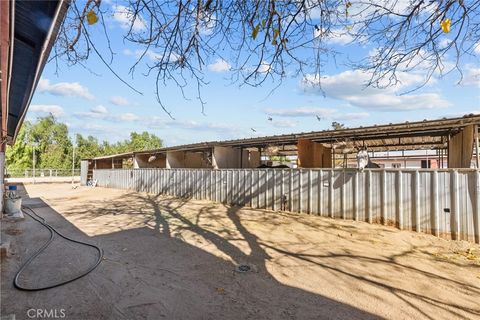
[5,50]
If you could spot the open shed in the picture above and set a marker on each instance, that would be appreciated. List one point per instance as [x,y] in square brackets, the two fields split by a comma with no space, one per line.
[454,138]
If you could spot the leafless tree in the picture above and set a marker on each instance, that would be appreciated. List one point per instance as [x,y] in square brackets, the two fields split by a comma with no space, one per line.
[274,39]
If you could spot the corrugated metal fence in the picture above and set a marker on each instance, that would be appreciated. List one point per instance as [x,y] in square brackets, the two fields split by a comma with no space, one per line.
[441,202]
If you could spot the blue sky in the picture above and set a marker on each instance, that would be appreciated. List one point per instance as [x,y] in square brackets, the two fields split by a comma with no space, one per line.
[94,102]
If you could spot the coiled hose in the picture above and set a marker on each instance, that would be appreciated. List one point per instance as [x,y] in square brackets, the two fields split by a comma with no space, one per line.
[52,231]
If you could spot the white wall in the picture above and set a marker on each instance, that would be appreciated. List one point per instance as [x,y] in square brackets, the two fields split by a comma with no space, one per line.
[141,161]
[185,159]
[226,157]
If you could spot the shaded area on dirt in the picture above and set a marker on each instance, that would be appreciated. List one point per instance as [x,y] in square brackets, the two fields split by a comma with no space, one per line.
[176,258]
[147,274]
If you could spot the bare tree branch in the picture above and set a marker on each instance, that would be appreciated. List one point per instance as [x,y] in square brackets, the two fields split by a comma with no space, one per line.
[271,39]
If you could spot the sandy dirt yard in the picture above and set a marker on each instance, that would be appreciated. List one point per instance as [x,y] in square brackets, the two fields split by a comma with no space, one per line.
[168,258]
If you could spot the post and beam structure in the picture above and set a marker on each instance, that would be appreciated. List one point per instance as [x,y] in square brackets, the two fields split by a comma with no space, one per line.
[460,147]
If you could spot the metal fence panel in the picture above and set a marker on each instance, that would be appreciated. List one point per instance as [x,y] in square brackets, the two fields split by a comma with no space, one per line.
[440,202]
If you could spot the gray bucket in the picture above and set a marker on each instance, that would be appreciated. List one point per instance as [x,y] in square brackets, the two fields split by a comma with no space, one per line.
[13,205]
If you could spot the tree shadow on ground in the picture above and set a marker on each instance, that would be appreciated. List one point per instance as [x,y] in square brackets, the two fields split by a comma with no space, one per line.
[171,217]
[149,276]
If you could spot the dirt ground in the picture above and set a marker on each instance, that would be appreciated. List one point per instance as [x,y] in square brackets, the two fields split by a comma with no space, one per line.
[168,258]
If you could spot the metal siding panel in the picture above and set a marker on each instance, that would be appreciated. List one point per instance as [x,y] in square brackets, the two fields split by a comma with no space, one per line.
[355,196]
[320,205]
[414,200]
[349,196]
[375,196]
[260,189]
[434,203]
[241,187]
[383,197]
[444,204]
[330,194]
[476,208]
[269,188]
[399,192]
[408,190]
[296,191]
[314,185]
[306,192]
[338,178]
[466,204]
[470,203]
[255,190]
[300,191]
[391,198]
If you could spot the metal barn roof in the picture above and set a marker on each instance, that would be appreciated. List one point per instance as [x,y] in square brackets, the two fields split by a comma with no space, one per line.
[33,27]
[418,135]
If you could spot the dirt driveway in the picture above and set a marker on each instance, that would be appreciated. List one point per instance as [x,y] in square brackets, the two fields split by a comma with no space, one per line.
[176,259]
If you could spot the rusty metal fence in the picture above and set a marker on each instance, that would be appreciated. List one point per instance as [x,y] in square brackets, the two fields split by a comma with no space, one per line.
[440,202]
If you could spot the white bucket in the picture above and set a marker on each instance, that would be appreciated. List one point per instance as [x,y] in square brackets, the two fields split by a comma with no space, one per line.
[13,205]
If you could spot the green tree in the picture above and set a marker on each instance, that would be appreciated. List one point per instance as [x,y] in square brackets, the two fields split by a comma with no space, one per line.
[88,148]
[54,148]
[280,158]
[338,126]
[19,156]
[144,141]
[136,142]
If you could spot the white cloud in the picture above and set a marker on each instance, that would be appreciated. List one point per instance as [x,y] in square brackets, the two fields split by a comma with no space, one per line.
[361,10]
[125,16]
[338,36]
[301,112]
[224,130]
[43,84]
[128,52]
[119,101]
[220,65]
[445,42]
[66,89]
[106,132]
[350,86]
[322,113]
[350,116]
[101,113]
[471,76]
[128,117]
[389,102]
[54,109]
[476,48]
[264,67]
[99,109]
[207,23]
[90,115]
[284,123]
[152,55]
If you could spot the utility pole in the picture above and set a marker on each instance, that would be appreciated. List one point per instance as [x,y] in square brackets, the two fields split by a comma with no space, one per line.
[34,160]
[73,163]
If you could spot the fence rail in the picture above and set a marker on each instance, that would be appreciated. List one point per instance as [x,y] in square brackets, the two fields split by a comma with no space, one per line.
[440,202]
[48,172]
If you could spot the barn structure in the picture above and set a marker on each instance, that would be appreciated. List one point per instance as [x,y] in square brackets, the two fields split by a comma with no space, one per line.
[454,140]
[441,201]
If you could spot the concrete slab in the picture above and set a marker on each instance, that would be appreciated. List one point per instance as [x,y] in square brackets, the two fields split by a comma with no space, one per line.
[4,249]
[16,216]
